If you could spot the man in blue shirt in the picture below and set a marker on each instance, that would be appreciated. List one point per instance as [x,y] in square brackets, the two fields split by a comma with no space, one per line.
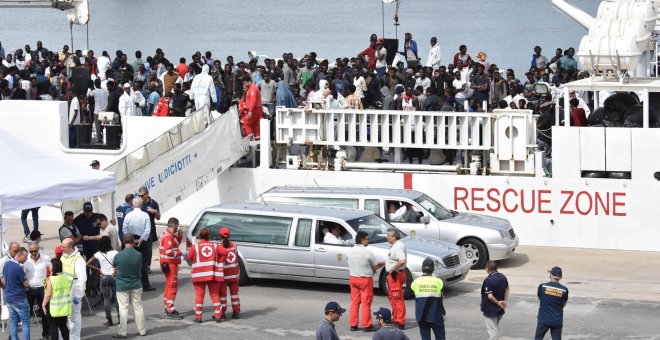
[121,212]
[15,282]
[150,206]
[553,297]
[494,293]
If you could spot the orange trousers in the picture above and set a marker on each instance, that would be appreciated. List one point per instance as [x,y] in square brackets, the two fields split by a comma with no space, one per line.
[171,283]
[200,290]
[250,125]
[362,294]
[396,297]
[233,294]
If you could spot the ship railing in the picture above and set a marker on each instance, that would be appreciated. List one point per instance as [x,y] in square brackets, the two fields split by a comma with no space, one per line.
[385,128]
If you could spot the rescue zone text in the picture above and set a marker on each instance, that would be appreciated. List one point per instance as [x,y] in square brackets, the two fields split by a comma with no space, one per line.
[540,201]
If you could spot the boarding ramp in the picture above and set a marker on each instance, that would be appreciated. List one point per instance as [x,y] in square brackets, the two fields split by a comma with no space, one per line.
[472,132]
[179,162]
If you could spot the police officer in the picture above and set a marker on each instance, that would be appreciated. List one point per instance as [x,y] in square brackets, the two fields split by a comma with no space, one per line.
[553,297]
[232,274]
[206,272]
[396,276]
[121,212]
[170,259]
[429,309]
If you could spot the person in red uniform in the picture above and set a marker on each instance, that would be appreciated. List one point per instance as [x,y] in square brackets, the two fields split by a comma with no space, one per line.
[170,259]
[232,273]
[206,272]
[252,111]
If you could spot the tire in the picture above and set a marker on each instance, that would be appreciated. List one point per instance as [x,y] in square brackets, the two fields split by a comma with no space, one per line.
[475,251]
[407,292]
[243,278]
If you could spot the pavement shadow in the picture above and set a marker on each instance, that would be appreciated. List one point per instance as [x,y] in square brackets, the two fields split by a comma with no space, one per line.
[313,286]
[515,261]
[254,312]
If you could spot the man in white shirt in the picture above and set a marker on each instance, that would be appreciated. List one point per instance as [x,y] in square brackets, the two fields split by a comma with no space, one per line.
[36,269]
[333,236]
[109,229]
[75,118]
[395,265]
[433,60]
[137,223]
[380,52]
[362,266]
[131,102]
[399,214]
[99,97]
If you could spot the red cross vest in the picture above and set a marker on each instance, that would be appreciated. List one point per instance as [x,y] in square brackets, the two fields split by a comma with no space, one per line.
[205,265]
[231,269]
[169,248]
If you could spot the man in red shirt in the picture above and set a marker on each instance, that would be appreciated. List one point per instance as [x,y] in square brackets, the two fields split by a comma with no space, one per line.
[578,116]
[252,111]
[369,54]
[170,259]
[182,68]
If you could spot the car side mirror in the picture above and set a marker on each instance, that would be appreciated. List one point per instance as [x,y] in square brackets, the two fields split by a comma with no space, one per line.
[425,219]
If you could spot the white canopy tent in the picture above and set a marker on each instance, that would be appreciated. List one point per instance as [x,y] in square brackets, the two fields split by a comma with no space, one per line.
[30,178]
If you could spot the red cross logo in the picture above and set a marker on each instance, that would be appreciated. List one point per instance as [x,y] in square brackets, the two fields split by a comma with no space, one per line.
[231,257]
[207,251]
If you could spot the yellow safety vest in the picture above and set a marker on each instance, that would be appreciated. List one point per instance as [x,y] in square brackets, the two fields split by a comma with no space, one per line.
[60,302]
[69,266]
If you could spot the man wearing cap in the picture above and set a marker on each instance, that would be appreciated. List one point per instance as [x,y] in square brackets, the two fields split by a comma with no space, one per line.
[87,225]
[494,293]
[231,275]
[380,53]
[326,329]
[387,331]
[396,276]
[96,165]
[429,309]
[131,104]
[362,266]
[553,297]
[433,60]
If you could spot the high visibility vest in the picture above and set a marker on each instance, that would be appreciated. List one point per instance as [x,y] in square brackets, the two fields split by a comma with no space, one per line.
[69,266]
[231,269]
[428,298]
[169,248]
[60,303]
[204,262]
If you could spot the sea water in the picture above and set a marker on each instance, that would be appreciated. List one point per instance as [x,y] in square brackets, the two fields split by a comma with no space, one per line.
[507,30]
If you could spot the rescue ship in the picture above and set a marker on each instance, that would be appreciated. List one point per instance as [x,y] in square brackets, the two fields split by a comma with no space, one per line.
[601,191]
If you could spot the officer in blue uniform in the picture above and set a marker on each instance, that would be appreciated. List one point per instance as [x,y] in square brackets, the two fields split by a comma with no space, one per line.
[553,297]
[121,211]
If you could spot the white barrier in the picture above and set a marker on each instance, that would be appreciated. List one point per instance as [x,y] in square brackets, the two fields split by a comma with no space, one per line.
[386,128]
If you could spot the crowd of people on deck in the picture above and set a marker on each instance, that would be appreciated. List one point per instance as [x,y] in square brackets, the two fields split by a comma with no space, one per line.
[158,86]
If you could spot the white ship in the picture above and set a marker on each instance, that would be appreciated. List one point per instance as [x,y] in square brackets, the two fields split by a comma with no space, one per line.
[188,166]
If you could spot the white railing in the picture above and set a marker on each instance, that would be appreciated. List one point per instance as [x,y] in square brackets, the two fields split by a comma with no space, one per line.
[387,128]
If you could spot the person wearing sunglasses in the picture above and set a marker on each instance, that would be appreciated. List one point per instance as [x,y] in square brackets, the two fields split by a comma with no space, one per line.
[37,267]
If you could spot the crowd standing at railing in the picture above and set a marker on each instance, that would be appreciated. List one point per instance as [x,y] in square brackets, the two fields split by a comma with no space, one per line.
[158,86]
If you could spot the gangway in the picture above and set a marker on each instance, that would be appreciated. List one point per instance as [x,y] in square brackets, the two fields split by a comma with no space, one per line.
[177,163]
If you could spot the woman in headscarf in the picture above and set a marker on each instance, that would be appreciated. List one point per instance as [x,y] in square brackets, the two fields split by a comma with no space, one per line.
[284,97]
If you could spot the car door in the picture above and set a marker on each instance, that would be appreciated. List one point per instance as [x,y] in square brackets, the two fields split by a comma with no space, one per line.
[413,226]
[298,257]
[330,259]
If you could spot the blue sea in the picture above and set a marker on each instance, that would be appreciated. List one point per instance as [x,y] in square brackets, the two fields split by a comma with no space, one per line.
[507,30]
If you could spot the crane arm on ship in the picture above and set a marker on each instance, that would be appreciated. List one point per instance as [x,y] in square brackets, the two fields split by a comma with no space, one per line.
[77,11]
